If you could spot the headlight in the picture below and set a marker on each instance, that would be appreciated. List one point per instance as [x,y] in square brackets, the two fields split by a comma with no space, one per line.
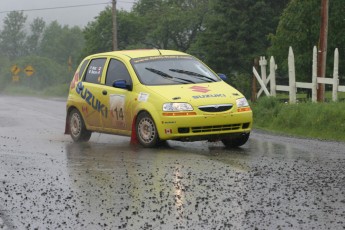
[173,107]
[242,102]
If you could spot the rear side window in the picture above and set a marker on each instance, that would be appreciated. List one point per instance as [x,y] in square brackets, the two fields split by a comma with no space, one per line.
[117,71]
[94,70]
[82,68]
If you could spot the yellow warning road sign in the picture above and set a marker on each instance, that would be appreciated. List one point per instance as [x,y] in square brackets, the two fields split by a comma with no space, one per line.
[15,70]
[29,70]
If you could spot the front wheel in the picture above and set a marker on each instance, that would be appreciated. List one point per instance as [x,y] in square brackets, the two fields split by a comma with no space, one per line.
[146,130]
[233,142]
[78,131]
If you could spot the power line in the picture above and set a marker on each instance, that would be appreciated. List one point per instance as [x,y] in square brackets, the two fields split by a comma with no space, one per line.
[63,7]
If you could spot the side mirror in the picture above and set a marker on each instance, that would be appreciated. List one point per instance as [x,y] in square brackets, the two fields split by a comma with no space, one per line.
[122,84]
[222,76]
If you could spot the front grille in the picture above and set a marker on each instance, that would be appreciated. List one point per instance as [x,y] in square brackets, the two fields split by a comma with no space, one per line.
[215,128]
[215,108]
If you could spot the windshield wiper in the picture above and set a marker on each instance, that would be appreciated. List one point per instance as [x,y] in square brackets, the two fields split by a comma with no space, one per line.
[165,75]
[193,74]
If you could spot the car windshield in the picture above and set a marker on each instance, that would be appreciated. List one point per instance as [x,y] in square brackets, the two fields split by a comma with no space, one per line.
[172,70]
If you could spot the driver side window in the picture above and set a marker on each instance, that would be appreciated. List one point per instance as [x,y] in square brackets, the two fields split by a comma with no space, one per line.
[117,71]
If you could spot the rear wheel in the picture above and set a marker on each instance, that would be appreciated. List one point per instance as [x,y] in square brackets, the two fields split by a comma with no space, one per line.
[233,142]
[146,130]
[78,131]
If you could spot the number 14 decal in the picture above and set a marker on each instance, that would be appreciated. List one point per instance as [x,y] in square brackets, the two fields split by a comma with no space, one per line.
[117,108]
[119,114]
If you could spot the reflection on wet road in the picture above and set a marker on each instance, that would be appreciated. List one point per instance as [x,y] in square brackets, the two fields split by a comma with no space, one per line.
[273,182]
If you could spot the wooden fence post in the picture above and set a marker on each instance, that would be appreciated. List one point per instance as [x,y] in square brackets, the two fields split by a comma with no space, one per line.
[263,65]
[273,76]
[335,75]
[292,77]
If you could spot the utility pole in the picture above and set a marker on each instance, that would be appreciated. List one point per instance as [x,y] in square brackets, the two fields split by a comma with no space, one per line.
[322,52]
[114,26]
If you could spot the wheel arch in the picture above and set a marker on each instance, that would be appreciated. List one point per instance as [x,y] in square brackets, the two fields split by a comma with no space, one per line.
[134,138]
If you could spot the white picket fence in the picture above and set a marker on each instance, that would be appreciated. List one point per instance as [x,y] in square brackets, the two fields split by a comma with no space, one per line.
[264,80]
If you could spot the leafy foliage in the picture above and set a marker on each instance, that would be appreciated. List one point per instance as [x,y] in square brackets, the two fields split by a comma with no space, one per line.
[98,34]
[235,32]
[299,27]
[34,39]
[47,72]
[61,42]
[12,38]
[171,24]
[46,49]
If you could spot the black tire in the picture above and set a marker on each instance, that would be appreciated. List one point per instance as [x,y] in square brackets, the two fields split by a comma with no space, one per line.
[77,128]
[234,142]
[146,130]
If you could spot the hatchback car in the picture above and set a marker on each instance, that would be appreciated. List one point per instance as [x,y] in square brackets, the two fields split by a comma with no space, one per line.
[153,96]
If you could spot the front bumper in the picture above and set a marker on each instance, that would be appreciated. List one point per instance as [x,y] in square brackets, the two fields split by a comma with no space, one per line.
[204,127]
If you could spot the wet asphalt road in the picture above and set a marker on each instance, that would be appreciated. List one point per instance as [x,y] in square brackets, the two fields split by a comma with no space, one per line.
[272,182]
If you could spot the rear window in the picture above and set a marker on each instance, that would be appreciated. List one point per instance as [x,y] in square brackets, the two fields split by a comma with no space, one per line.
[94,70]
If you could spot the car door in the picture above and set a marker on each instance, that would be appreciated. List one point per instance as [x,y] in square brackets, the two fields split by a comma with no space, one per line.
[119,98]
[90,91]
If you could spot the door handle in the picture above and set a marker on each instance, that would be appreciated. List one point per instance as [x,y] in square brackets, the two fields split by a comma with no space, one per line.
[104,92]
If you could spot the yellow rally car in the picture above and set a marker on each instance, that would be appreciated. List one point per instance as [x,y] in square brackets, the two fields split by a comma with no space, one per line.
[152,96]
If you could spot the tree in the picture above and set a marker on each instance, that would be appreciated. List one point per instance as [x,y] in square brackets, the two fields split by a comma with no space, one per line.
[61,42]
[235,32]
[171,24]
[163,24]
[34,39]
[98,34]
[130,30]
[301,32]
[12,38]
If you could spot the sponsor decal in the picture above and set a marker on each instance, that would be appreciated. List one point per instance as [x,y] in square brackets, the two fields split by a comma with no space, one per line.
[201,89]
[117,110]
[91,100]
[143,97]
[168,122]
[154,58]
[209,96]
[95,70]
[75,80]
[168,131]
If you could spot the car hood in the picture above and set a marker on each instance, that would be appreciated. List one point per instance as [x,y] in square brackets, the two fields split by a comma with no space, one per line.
[198,94]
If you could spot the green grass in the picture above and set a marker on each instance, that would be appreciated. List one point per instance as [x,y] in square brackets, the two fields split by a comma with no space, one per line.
[316,120]
[303,97]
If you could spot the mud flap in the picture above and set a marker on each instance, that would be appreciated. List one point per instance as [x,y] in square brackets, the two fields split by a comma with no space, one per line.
[134,138]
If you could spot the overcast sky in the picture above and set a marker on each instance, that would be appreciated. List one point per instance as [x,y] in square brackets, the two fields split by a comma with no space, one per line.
[78,15]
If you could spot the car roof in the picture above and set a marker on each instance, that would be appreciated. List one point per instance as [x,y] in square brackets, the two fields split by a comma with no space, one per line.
[130,54]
